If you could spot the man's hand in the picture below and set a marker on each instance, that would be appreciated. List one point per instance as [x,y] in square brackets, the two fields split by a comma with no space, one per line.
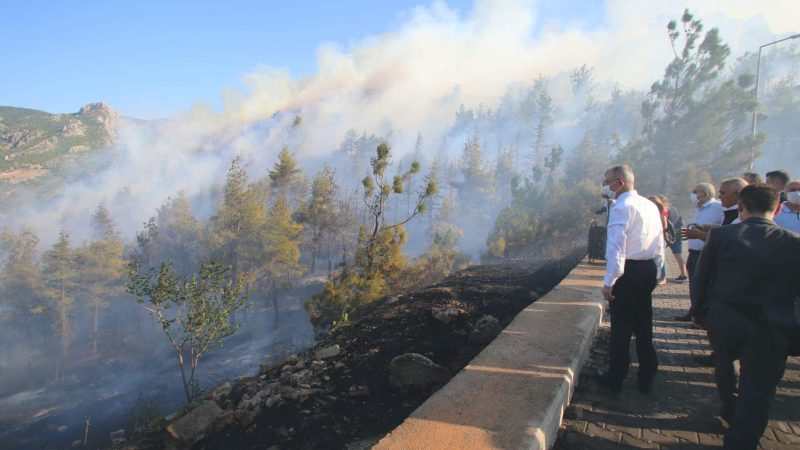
[607,293]
[690,233]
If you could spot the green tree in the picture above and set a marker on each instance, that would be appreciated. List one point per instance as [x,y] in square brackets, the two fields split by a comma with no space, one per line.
[442,256]
[20,275]
[694,126]
[60,283]
[102,268]
[194,312]
[379,260]
[287,181]
[318,215]
[544,108]
[280,264]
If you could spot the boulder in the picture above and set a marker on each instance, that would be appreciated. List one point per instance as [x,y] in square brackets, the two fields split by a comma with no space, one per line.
[445,315]
[194,425]
[328,352]
[414,372]
[487,328]
[221,391]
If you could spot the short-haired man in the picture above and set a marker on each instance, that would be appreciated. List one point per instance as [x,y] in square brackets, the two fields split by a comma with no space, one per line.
[752,178]
[745,286]
[777,180]
[634,257]
[729,199]
[709,212]
[788,215]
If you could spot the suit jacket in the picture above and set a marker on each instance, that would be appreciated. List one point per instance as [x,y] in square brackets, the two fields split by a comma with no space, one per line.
[753,266]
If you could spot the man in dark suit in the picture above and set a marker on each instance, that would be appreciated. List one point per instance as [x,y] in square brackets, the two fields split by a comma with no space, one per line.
[744,288]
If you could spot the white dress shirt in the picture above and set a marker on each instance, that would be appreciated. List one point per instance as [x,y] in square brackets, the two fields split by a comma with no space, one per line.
[634,232]
[710,213]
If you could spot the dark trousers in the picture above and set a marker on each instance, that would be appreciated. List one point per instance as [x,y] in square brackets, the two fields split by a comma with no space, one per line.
[632,314]
[691,262]
[740,334]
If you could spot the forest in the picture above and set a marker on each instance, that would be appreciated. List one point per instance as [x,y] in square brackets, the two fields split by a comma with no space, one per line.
[297,250]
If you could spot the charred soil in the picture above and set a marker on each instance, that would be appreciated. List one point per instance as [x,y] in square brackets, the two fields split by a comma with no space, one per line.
[338,393]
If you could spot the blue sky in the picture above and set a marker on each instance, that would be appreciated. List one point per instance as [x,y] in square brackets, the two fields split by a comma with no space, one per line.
[155,58]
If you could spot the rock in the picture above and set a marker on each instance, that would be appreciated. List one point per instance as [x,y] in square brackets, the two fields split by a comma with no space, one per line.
[273,400]
[317,366]
[117,434]
[291,360]
[264,368]
[300,365]
[487,328]
[246,418]
[221,391]
[358,391]
[328,352]
[302,377]
[194,425]
[340,366]
[285,378]
[412,372]
[445,315]
[227,418]
[392,300]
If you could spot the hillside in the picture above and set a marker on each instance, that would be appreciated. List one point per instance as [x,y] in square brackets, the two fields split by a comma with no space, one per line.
[343,393]
[35,146]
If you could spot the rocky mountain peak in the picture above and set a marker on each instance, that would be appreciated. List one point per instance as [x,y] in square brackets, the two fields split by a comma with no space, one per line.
[103,114]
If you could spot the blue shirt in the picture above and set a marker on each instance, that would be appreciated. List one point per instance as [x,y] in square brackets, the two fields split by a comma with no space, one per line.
[788,219]
[710,213]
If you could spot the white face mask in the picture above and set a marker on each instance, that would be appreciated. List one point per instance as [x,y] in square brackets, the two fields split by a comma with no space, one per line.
[608,192]
[693,197]
[793,197]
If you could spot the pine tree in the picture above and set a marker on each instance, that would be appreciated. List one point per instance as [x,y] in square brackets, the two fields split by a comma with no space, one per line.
[102,268]
[60,282]
[318,215]
[20,275]
[287,181]
[379,260]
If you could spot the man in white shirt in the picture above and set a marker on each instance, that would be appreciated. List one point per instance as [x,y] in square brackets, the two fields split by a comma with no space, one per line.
[788,215]
[634,257]
[709,212]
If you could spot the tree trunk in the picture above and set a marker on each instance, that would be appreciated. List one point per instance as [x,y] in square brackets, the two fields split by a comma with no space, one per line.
[94,329]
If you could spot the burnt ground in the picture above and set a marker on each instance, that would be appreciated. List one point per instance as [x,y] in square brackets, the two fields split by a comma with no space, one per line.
[313,401]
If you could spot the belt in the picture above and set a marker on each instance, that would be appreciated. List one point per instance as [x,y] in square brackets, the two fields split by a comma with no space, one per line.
[639,261]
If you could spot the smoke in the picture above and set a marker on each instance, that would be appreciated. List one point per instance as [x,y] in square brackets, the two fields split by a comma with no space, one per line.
[397,84]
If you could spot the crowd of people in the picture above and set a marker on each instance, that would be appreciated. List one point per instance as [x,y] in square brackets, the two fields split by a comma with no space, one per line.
[744,246]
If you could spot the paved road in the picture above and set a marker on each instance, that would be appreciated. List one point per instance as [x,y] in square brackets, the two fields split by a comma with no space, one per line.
[682,410]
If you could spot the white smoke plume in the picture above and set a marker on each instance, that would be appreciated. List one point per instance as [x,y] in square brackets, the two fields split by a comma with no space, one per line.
[397,84]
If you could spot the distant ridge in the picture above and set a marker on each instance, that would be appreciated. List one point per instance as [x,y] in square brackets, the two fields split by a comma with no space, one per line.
[36,146]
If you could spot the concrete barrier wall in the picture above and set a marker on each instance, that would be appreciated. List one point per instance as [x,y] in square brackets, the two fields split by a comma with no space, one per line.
[514,393]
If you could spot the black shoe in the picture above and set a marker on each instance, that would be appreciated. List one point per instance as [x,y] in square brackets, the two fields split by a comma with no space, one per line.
[681,279]
[727,418]
[612,385]
[704,360]
[645,385]
[684,318]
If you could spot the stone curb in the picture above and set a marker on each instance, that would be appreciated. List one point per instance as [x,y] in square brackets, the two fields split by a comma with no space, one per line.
[514,393]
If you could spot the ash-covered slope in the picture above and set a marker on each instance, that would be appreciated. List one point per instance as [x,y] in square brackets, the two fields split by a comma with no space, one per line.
[343,393]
